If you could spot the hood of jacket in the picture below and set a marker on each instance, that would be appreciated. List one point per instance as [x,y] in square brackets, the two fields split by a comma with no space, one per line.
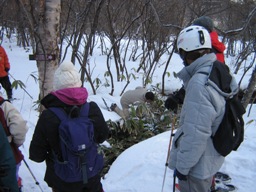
[205,65]
[63,97]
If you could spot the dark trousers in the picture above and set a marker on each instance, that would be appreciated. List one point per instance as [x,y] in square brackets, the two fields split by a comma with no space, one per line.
[93,185]
[5,82]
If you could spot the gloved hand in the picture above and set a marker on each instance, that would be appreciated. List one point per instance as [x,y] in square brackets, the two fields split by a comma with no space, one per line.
[7,69]
[180,176]
[171,103]
[180,95]
[175,99]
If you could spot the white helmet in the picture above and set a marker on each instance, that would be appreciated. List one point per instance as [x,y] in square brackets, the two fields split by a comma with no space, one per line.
[194,38]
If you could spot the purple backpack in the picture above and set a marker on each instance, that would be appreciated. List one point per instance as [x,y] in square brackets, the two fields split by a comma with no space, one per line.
[80,157]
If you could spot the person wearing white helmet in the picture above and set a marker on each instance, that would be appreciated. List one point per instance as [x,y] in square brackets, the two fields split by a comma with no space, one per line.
[176,98]
[197,42]
[193,156]
[193,42]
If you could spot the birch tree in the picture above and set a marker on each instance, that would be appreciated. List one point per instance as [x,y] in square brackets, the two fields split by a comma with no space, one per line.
[44,20]
[46,43]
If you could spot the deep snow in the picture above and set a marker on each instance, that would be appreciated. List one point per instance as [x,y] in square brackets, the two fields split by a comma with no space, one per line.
[141,167]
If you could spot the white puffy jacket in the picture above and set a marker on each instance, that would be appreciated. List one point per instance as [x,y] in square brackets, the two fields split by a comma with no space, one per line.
[15,122]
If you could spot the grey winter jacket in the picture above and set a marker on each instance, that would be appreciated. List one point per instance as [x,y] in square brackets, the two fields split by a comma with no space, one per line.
[192,150]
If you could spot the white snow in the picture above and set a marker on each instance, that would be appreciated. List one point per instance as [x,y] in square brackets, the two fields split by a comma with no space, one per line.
[140,168]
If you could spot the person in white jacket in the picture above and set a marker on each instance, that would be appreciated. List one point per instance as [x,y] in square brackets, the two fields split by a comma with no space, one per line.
[15,128]
[193,157]
[139,95]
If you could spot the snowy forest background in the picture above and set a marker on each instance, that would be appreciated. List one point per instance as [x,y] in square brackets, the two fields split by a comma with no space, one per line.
[117,45]
[135,161]
[53,28]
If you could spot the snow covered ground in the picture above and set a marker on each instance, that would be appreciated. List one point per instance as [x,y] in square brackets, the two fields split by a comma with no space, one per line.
[141,167]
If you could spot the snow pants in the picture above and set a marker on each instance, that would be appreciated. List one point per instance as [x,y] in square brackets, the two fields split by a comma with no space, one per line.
[193,184]
[5,82]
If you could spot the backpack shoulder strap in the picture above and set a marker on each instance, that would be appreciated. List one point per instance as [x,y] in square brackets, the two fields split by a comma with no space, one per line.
[85,110]
[220,75]
[61,114]
[2,100]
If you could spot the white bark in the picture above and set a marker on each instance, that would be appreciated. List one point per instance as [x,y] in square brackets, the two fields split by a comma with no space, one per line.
[48,32]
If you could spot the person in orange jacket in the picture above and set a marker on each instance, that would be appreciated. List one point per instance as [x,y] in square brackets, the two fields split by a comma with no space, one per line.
[4,69]
[217,46]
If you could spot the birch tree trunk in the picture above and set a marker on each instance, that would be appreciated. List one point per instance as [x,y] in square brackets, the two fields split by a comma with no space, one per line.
[46,43]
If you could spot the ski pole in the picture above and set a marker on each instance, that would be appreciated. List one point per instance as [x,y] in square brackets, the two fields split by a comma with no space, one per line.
[168,152]
[37,183]
[174,183]
[21,87]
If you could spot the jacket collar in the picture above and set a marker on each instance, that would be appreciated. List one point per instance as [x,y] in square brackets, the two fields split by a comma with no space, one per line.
[202,64]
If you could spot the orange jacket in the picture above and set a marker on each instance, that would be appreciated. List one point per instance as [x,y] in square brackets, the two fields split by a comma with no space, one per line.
[218,47]
[4,62]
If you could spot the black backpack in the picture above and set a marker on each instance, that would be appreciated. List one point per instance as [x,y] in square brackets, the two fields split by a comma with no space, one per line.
[230,133]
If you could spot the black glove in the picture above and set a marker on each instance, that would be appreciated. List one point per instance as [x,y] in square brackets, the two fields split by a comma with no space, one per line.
[175,99]
[7,69]
[171,103]
[180,95]
[180,176]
